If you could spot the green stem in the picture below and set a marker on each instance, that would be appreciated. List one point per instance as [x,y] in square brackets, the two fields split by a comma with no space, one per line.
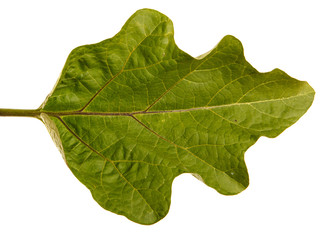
[19,113]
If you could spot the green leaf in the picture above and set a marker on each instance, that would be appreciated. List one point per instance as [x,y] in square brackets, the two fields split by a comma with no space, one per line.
[131,113]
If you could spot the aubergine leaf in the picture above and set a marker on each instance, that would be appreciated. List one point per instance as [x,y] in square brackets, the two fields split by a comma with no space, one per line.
[131,113]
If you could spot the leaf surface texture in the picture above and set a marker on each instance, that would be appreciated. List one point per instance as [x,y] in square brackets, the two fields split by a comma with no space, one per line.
[131,113]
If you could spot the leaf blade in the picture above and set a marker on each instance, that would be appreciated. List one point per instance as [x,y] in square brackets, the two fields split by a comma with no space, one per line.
[133,112]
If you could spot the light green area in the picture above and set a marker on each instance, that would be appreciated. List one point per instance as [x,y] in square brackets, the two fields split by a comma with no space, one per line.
[131,113]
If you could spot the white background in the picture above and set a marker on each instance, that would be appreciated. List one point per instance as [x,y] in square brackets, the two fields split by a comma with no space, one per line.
[288,196]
